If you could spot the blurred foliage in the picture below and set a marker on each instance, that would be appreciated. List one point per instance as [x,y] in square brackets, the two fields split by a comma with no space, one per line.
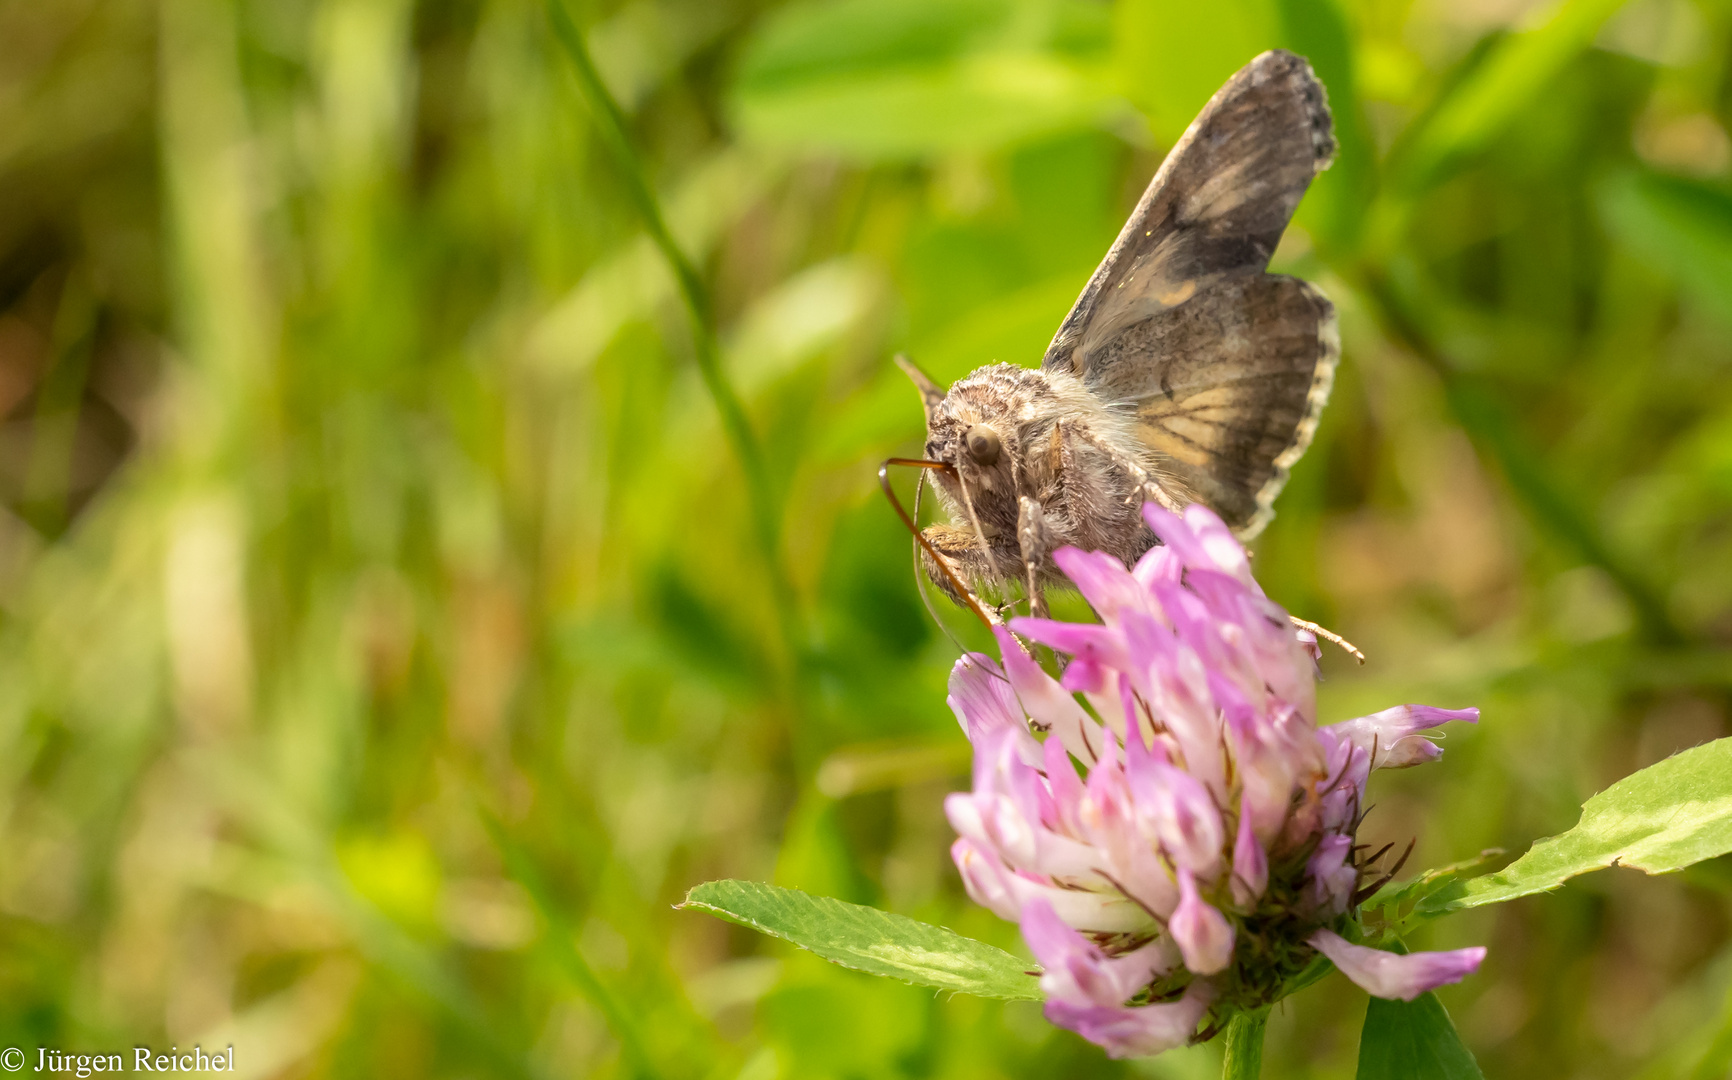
[387,641]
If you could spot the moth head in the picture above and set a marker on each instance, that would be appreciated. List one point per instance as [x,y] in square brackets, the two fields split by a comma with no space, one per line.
[975,444]
[976,426]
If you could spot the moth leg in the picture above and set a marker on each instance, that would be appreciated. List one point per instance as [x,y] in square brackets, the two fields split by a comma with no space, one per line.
[1329,636]
[1035,542]
[964,559]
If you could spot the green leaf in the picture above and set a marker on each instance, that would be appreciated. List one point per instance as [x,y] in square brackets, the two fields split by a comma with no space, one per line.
[890,79]
[806,43]
[870,940]
[1412,1040]
[1680,226]
[1661,819]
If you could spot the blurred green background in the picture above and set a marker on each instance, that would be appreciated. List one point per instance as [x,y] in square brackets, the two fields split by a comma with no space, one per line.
[385,641]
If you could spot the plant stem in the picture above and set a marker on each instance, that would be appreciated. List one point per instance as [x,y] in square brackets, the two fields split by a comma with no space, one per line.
[1244,1059]
[737,429]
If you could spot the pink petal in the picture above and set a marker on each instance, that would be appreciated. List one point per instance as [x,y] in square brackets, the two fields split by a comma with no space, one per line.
[1110,820]
[1392,975]
[1048,702]
[1066,787]
[995,886]
[1394,733]
[1177,536]
[1219,543]
[1099,645]
[1408,752]
[1250,865]
[1343,787]
[1083,675]
[1270,755]
[1333,877]
[1203,935]
[981,698]
[1158,564]
[985,877]
[1103,580]
[1126,1031]
[1075,968]
[1012,813]
[1178,809]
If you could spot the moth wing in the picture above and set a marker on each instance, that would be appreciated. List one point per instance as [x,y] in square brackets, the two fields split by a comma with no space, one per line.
[1216,207]
[1244,371]
[1190,263]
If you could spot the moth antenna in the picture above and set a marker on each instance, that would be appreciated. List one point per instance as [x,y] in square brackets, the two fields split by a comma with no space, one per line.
[1329,636]
[943,563]
[931,394]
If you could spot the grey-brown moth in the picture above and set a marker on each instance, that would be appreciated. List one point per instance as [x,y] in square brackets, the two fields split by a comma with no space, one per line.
[1184,373]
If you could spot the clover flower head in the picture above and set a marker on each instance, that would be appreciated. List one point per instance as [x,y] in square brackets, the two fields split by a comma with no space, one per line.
[1204,855]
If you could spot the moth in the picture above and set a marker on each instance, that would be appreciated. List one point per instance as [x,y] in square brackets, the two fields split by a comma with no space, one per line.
[1184,373]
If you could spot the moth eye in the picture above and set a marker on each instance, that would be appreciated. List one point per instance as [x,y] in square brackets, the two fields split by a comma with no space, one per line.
[983,445]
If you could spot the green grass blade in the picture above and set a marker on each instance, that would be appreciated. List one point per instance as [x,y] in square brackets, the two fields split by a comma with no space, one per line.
[1518,69]
[1487,422]
[736,426]
[1682,227]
